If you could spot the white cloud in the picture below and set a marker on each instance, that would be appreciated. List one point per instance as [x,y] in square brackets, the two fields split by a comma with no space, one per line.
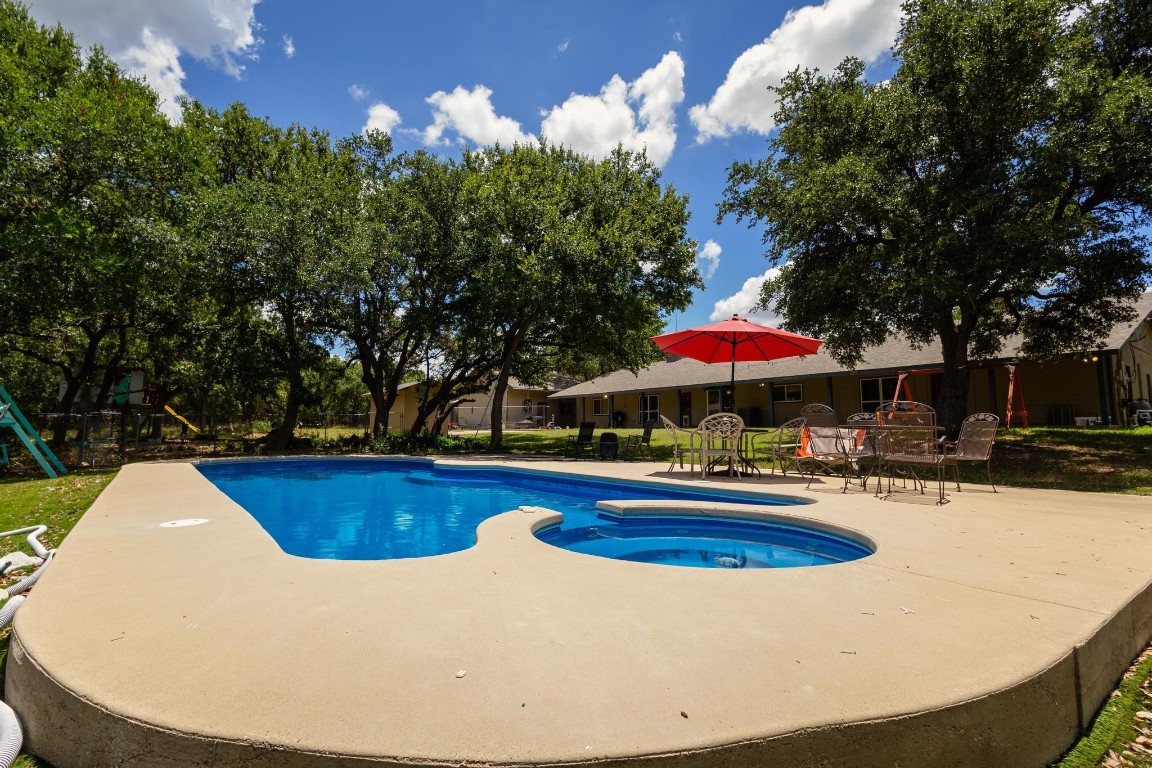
[382,117]
[677,36]
[289,46]
[470,114]
[638,115]
[745,300]
[563,47]
[708,259]
[815,36]
[147,37]
[357,92]
[596,124]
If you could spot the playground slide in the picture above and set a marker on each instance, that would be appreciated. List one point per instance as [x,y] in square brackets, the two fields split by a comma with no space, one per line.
[185,421]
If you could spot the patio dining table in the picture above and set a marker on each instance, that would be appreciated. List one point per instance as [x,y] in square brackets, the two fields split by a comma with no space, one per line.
[899,447]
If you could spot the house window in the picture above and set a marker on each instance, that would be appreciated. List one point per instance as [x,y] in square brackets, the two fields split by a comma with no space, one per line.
[787,393]
[713,401]
[649,408]
[600,406]
[876,392]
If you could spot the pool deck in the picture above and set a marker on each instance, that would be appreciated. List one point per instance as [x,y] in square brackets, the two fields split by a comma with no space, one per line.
[982,633]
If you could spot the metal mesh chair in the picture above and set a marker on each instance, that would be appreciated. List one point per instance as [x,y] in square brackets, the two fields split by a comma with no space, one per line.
[783,445]
[977,434]
[907,412]
[818,415]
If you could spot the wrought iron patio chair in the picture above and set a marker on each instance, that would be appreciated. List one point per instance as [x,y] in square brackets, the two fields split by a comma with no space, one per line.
[582,440]
[825,448]
[716,438]
[861,440]
[908,412]
[819,415]
[783,443]
[908,446]
[977,434]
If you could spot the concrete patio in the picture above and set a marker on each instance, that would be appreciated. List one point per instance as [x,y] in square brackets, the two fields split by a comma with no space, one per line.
[983,633]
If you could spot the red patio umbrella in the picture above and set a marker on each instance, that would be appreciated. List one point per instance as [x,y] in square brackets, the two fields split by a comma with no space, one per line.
[736,339]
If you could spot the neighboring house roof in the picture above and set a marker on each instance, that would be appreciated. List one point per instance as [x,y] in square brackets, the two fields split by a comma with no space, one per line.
[894,355]
[1123,331]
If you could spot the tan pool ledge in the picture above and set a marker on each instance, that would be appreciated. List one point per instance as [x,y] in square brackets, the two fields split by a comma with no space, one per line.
[983,633]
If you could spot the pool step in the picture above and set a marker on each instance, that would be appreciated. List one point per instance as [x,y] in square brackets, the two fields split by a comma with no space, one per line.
[422,478]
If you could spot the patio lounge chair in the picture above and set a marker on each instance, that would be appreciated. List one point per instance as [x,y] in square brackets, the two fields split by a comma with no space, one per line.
[977,434]
[636,445]
[716,438]
[819,415]
[582,440]
[825,448]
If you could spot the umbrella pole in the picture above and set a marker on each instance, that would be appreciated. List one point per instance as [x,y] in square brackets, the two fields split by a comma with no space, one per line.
[732,384]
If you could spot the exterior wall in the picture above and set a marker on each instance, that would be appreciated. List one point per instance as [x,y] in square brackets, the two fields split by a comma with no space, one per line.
[1054,392]
[478,413]
[403,412]
[1058,391]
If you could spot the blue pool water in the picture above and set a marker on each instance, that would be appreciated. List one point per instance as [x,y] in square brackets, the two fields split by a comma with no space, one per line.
[369,509]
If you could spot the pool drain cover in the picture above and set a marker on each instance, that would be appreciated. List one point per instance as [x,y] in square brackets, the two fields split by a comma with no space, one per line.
[184,523]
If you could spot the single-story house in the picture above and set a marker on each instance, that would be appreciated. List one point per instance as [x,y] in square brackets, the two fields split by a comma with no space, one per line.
[524,405]
[1077,389]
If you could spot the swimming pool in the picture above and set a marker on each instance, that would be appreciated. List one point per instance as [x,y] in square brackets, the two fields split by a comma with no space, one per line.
[376,509]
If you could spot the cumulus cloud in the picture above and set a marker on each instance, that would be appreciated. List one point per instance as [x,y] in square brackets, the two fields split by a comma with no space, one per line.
[639,115]
[357,92]
[815,36]
[381,117]
[289,46]
[147,38]
[470,114]
[708,259]
[744,301]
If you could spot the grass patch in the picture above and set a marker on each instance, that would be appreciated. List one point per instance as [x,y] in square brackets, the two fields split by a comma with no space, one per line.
[1108,460]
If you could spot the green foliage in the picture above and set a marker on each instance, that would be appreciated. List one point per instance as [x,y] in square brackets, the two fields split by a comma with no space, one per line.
[575,257]
[997,183]
[405,443]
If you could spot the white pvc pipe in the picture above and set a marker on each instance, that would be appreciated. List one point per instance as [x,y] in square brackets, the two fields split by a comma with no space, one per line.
[33,531]
[11,736]
[9,610]
[26,583]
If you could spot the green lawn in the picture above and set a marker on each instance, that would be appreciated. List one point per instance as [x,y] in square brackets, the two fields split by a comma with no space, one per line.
[1109,460]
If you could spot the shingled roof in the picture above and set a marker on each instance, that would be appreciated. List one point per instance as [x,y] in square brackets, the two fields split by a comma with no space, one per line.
[894,355]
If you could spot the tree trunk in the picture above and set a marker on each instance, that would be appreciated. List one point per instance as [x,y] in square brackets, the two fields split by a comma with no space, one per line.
[952,402]
[512,339]
[279,438]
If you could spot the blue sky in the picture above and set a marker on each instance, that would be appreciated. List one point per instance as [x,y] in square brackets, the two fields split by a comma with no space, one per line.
[685,80]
